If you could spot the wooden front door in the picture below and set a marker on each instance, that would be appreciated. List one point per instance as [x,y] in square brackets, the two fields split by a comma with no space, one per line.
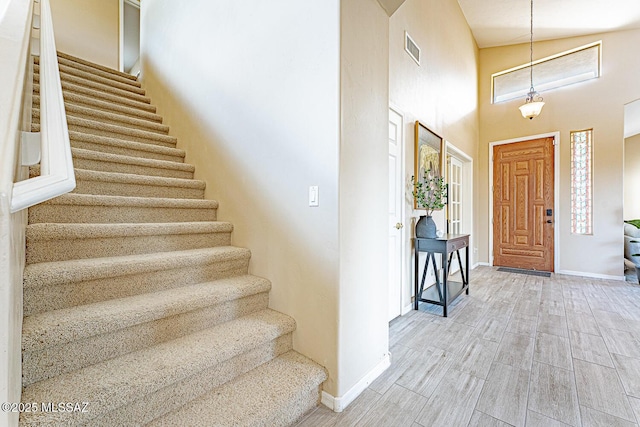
[523,204]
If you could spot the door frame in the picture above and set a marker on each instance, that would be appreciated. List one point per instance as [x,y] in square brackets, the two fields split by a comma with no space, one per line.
[556,191]
[467,195]
[136,4]
[405,302]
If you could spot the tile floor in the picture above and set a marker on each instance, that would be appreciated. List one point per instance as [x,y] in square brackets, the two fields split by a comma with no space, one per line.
[518,351]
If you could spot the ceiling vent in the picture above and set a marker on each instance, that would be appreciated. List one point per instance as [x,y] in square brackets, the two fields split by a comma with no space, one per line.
[411,48]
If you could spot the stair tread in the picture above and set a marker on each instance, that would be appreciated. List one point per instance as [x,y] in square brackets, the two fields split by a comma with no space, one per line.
[94,65]
[62,326]
[120,130]
[59,272]
[94,114]
[134,145]
[155,202]
[116,382]
[82,153]
[96,87]
[129,178]
[258,397]
[110,74]
[79,99]
[142,103]
[55,231]
[65,67]
[72,72]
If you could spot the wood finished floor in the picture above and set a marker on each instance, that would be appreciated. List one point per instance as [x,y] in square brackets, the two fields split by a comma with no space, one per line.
[518,351]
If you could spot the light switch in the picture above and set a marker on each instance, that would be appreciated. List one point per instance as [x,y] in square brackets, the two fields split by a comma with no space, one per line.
[313,196]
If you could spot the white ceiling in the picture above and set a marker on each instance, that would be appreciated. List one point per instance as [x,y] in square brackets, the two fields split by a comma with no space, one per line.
[504,22]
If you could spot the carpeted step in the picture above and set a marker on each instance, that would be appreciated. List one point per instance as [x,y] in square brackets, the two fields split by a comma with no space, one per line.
[116,146]
[108,118]
[71,98]
[136,386]
[63,284]
[70,88]
[93,66]
[96,87]
[47,242]
[108,130]
[124,184]
[277,393]
[72,72]
[106,162]
[122,132]
[60,341]
[118,76]
[88,208]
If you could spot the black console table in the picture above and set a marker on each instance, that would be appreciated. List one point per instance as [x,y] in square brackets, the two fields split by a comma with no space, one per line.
[441,293]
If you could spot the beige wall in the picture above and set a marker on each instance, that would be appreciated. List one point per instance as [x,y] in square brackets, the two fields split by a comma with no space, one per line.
[261,120]
[88,29]
[597,104]
[252,93]
[632,177]
[441,93]
[363,187]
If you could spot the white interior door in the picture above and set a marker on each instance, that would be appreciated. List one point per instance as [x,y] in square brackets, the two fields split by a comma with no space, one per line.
[455,196]
[396,226]
[455,201]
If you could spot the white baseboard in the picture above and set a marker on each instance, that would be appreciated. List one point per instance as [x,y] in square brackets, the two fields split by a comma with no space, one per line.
[406,309]
[591,275]
[338,404]
[478,264]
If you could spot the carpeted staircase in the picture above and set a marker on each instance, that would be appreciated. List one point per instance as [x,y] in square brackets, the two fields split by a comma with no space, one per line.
[134,299]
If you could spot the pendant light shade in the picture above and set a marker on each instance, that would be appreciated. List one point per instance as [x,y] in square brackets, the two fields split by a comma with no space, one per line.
[533,104]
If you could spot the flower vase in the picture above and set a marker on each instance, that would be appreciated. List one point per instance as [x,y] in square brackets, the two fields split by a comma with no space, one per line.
[426,227]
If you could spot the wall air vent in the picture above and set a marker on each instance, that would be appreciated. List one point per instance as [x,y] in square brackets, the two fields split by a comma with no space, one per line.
[412,48]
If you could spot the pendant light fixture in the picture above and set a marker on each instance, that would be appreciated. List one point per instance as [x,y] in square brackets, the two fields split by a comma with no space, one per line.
[533,104]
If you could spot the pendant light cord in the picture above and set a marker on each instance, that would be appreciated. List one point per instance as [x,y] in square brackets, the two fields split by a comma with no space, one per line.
[531,49]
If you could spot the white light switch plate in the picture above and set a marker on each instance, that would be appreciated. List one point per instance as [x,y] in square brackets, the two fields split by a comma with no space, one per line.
[313,196]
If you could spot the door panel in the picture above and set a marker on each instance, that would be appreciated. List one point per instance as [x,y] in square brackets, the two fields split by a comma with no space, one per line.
[522,193]
[395,214]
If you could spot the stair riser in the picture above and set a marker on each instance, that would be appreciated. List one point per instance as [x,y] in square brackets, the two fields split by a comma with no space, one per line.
[136,190]
[123,149]
[132,85]
[297,408]
[38,299]
[105,166]
[52,361]
[94,87]
[79,62]
[69,88]
[74,73]
[109,75]
[168,399]
[109,119]
[73,99]
[111,130]
[116,214]
[67,249]
[149,138]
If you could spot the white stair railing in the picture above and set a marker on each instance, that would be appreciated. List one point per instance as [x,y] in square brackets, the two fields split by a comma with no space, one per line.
[56,166]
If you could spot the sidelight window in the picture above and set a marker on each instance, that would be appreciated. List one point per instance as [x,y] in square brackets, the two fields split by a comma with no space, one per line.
[581,182]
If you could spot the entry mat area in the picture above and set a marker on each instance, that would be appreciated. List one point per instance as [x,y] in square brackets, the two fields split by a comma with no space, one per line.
[528,272]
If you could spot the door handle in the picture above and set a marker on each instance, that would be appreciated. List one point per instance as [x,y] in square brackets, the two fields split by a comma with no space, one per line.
[549,221]
[399,225]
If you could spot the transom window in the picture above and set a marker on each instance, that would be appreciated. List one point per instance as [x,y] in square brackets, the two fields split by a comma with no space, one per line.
[581,182]
[563,69]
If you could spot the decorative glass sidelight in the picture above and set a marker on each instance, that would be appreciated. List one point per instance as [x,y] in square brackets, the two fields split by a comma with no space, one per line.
[581,182]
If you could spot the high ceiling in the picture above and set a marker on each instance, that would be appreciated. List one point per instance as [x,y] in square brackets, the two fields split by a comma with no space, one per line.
[504,22]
